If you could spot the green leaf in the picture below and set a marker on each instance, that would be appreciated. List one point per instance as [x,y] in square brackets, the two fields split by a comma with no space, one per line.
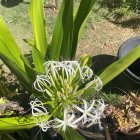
[11,56]
[29,42]
[39,25]
[21,75]
[38,60]
[119,66]
[113,70]
[8,46]
[72,134]
[29,70]
[61,44]
[17,123]
[82,14]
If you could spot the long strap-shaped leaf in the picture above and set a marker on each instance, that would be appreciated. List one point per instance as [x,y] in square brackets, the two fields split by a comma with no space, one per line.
[39,25]
[27,122]
[62,36]
[114,70]
[13,58]
[119,66]
[82,13]
[21,75]
[71,134]
[8,46]
[17,123]
[39,60]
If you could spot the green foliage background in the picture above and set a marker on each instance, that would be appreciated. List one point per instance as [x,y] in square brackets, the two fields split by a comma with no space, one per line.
[131,4]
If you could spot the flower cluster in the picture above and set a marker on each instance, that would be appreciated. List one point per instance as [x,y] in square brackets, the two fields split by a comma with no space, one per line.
[87,114]
[60,85]
[58,73]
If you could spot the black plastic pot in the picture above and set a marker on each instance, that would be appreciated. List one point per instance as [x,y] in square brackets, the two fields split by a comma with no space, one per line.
[133,71]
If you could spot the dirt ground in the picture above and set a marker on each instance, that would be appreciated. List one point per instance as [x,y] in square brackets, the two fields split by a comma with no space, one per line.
[105,37]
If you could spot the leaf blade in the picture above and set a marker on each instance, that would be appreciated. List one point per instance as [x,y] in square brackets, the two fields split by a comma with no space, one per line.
[8,45]
[63,32]
[82,14]
[113,70]
[17,123]
[38,60]
[38,24]
[72,134]
[21,75]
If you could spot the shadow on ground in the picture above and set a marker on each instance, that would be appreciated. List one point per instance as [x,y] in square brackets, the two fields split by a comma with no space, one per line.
[121,82]
[133,23]
[10,3]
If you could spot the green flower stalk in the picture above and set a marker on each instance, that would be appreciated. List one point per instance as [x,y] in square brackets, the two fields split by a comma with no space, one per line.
[60,86]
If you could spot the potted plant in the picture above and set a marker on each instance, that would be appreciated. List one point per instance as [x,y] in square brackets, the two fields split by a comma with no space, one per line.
[124,118]
[61,88]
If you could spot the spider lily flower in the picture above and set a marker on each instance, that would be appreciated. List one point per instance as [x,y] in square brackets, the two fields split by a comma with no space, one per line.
[40,114]
[37,108]
[60,75]
[68,120]
[101,105]
[61,83]
[98,112]
[65,67]
[86,111]
[68,70]
[91,113]
[43,123]
[41,83]
[99,83]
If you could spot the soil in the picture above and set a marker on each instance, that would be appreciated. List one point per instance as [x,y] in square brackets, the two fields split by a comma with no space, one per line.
[105,37]
[102,37]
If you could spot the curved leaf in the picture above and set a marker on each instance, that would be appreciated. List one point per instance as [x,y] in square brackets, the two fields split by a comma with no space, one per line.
[82,13]
[39,25]
[8,46]
[113,70]
[21,75]
[17,123]
[38,60]
[72,134]
[63,32]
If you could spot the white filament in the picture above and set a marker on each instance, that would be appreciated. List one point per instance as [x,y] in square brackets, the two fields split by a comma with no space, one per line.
[68,120]
[99,83]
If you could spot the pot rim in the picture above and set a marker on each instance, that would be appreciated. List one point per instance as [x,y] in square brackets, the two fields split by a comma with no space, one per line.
[128,72]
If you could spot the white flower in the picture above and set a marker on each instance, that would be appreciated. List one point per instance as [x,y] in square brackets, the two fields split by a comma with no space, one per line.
[86,111]
[37,108]
[59,74]
[41,82]
[91,113]
[43,122]
[61,83]
[40,114]
[68,70]
[99,83]
[68,120]
[101,105]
